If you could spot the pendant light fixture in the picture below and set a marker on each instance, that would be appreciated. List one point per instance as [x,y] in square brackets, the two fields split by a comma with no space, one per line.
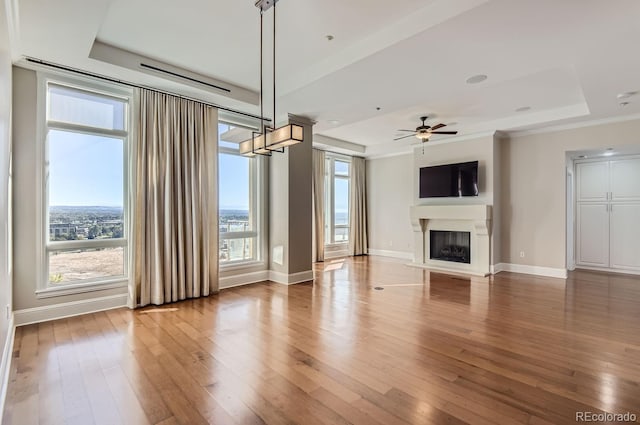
[270,139]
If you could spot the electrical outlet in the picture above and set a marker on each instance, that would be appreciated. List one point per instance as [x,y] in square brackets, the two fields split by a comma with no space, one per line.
[521,254]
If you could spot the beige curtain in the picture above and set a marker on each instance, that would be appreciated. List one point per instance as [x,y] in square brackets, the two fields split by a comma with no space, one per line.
[358,242]
[318,204]
[176,209]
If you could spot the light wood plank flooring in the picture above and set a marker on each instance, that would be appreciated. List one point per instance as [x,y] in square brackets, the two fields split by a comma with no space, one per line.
[427,348]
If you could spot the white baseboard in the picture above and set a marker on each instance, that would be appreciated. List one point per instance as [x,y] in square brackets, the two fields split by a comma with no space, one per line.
[290,279]
[534,270]
[243,279]
[74,308]
[608,270]
[393,254]
[5,366]
[497,268]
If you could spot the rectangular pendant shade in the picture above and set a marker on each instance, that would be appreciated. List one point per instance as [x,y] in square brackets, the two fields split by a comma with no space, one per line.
[287,135]
[254,145]
[246,148]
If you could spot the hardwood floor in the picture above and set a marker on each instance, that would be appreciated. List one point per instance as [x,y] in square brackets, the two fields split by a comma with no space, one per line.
[427,348]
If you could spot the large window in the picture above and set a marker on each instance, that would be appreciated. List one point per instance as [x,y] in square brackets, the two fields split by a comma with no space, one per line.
[337,199]
[238,198]
[86,239]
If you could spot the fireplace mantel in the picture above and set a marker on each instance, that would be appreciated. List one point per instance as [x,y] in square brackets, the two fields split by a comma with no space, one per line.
[475,219]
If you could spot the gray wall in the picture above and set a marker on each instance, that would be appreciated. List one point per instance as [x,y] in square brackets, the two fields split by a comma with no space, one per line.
[5,198]
[290,204]
[480,149]
[524,179]
[389,195]
[300,200]
[534,189]
[25,212]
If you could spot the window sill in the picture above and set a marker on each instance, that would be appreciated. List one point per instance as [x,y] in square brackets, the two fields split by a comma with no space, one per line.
[241,265]
[79,288]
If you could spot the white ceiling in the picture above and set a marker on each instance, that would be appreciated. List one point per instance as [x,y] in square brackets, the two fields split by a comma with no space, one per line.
[567,60]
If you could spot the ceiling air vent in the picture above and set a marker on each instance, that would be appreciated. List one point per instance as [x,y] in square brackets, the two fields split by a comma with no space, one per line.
[175,74]
[140,63]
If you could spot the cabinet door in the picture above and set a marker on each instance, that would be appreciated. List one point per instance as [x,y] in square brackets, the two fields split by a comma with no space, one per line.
[592,181]
[625,179]
[593,235]
[625,236]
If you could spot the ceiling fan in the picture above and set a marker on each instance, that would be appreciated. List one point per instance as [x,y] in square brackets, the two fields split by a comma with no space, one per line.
[424,131]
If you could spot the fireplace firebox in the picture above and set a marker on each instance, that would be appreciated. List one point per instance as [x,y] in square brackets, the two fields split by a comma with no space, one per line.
[450,246]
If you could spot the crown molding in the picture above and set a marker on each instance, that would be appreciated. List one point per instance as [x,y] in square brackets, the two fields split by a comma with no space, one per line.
[571,126]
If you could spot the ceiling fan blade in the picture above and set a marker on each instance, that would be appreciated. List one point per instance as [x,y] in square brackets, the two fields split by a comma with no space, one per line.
[443,132]
[413,131]
[437,126]
[404,137]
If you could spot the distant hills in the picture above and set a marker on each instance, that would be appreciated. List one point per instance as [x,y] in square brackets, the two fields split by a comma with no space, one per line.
[65,209]
[102,210]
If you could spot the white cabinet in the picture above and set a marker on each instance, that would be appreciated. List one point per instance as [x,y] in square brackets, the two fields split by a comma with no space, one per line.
[625,180]
[593,235]
[625,236]
[593,181]
[608,214]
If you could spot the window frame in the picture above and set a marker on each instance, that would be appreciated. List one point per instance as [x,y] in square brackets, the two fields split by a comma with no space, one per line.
[256,206]
[45,288]
[330,178]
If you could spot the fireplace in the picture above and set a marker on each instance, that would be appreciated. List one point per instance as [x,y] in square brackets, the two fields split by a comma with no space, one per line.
[472,220]
[450,246]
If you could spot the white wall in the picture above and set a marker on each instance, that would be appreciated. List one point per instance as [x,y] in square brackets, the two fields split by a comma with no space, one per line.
[390,192]
[5,198]
[25,202]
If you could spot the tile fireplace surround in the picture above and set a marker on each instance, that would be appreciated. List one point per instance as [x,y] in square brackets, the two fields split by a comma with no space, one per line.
[475,219]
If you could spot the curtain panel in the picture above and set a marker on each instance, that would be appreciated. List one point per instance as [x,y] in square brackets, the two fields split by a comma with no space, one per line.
[176,207]
[358,241]
[318,204]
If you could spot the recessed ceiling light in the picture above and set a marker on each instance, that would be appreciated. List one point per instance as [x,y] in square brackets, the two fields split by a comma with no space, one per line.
[608,153]
[523,109]
[476,79]
[378,108]
[333,122]
[627,94]
[582,156]
[329,37]
[623,104]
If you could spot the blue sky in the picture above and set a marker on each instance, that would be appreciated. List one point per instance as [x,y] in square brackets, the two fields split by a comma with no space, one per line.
[234,182]
[86,170]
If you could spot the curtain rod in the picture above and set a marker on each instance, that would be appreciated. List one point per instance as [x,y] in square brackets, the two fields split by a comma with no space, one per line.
[340,153]
[130,84]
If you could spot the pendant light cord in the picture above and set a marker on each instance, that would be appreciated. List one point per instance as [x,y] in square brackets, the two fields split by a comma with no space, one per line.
[274,123]
[261,93]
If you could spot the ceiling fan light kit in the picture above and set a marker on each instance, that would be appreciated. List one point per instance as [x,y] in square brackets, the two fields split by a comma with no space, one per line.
[424,131]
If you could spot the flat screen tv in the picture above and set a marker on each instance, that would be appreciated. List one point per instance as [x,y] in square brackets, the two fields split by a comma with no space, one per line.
[449,180]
